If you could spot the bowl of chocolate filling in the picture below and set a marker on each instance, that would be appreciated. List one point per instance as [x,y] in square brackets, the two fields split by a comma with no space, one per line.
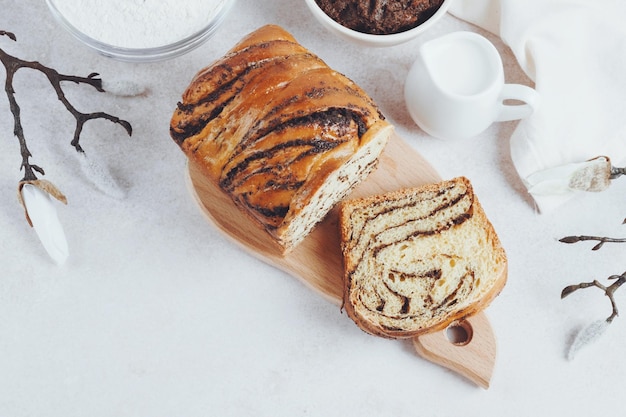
[379,22]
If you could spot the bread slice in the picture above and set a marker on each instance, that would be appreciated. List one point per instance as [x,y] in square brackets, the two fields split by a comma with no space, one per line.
[284,135]
[418,259]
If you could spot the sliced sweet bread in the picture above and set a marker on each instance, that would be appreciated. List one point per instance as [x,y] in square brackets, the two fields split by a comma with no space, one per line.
[418,259]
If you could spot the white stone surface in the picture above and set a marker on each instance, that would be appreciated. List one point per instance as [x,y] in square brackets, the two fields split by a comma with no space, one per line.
[155,314]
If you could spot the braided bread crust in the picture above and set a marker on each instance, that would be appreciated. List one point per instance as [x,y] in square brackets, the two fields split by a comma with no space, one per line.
[282,133]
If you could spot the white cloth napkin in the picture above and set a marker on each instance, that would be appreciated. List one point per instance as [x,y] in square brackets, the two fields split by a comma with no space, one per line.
[575,52]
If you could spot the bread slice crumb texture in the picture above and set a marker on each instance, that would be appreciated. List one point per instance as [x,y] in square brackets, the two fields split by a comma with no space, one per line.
[418,259]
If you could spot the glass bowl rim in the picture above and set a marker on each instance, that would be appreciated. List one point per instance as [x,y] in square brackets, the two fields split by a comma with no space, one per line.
[148,54]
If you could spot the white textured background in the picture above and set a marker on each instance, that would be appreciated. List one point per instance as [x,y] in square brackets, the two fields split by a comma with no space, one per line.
[155,314]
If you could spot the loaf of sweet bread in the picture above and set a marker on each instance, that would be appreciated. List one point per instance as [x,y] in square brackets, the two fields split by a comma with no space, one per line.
[284,135]
[418,259]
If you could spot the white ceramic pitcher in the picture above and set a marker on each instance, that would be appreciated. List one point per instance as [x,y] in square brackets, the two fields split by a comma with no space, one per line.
[456,89]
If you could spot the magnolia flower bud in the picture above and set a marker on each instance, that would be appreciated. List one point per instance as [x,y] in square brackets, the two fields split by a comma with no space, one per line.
[593,175]
[41,214]
[586,336]
[100,175]
[124,88]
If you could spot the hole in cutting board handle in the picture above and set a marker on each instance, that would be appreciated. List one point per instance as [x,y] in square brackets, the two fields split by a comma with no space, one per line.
[459,333]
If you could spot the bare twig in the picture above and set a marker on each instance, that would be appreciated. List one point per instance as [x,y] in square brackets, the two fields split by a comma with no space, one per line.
[608,291]
[12,65]
[601,240]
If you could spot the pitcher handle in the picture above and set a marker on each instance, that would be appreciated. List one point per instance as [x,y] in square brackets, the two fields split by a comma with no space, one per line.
[528,96]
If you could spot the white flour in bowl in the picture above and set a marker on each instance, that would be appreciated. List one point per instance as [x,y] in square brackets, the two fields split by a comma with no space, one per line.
[139,23]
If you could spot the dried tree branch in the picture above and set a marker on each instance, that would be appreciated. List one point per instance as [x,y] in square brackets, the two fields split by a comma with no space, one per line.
[609,291]
[601,240]
[12,65]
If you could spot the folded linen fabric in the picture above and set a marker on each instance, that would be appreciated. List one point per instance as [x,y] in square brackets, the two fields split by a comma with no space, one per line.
[575,52]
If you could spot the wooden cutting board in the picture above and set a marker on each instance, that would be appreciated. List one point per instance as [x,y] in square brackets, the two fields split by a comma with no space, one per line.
[318,262]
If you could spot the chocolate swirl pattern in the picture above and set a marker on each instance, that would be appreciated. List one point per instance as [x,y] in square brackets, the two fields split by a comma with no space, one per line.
[418,259]
[282,133]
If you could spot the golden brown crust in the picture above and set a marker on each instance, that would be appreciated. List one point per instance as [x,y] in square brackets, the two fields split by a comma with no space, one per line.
[473,217]
[270,122]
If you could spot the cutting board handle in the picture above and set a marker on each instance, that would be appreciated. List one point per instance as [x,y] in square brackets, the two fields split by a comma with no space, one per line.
[467,347]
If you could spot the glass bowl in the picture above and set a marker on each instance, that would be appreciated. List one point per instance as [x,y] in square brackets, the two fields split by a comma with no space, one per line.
[142,51]
[367,39]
